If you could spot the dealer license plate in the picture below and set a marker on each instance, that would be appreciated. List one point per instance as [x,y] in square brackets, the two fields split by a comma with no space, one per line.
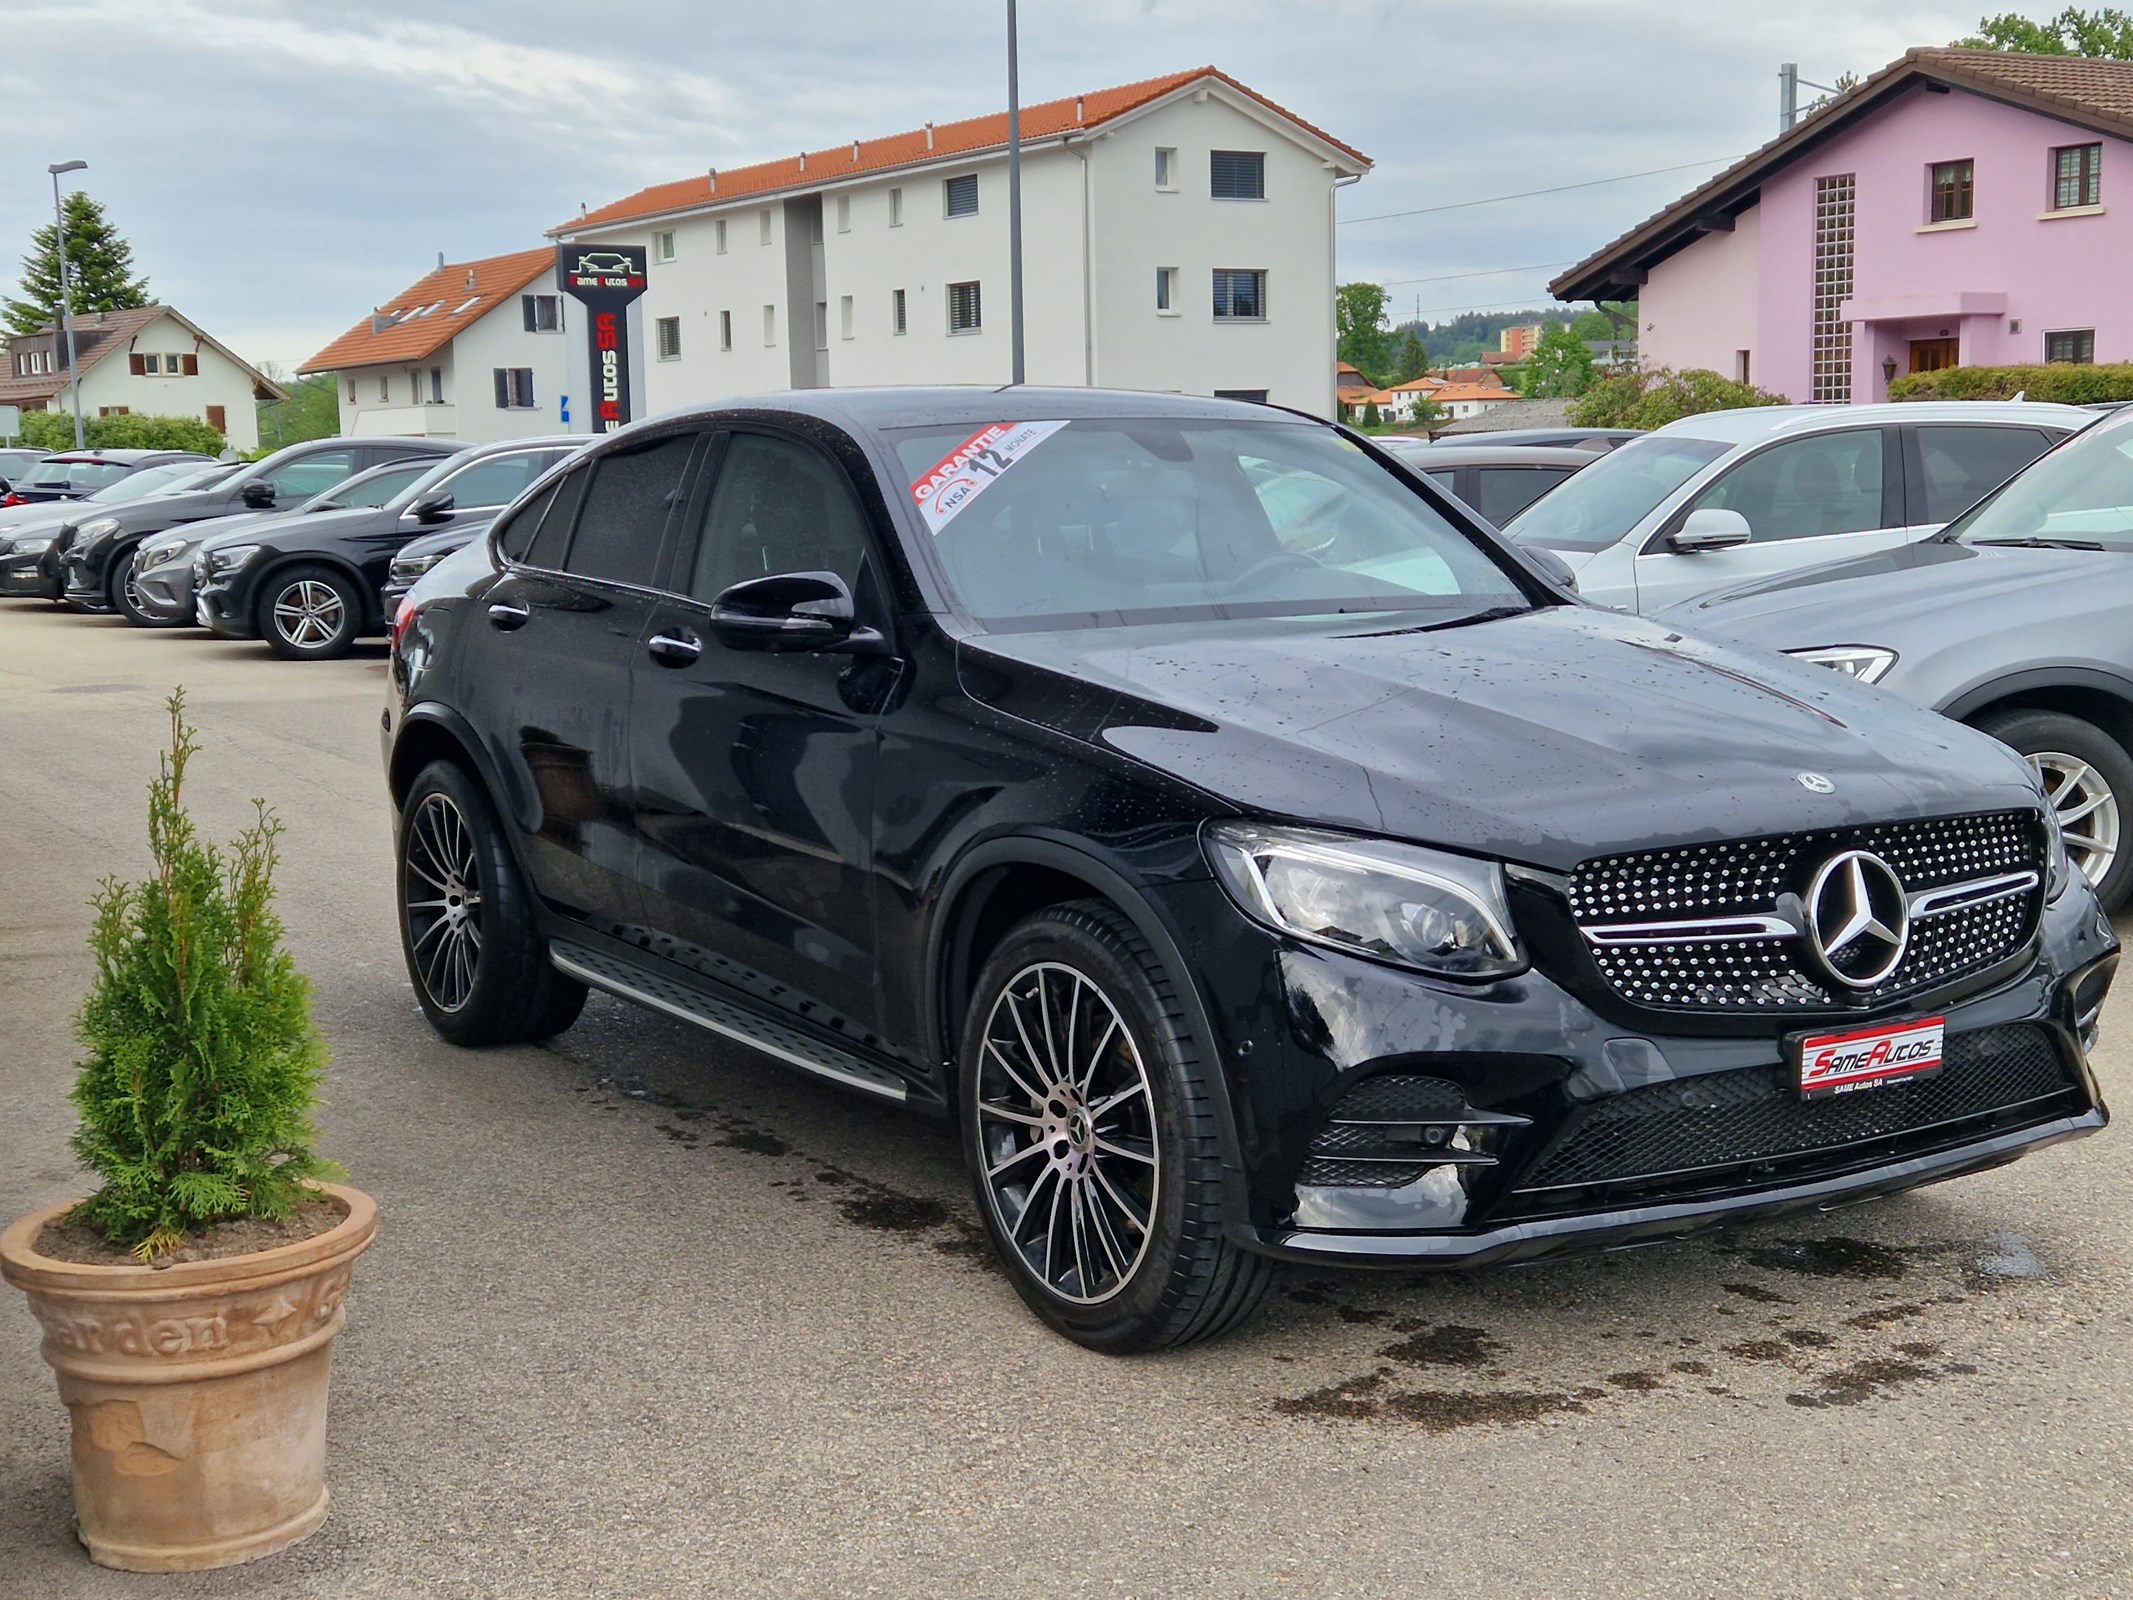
[1869,1058]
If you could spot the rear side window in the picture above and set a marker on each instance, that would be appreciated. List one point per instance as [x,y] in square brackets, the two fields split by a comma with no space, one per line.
[1442,480]
[627,503]
[517,536]
[778,507]
[1501,493]
[1962,465]
[1824,483]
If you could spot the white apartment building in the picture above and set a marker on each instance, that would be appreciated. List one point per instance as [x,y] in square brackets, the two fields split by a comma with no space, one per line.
[150,360]
[475,350]
[1177,236]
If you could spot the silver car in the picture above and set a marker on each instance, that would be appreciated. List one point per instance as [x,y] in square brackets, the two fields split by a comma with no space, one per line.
[1728,497]
[2015,620]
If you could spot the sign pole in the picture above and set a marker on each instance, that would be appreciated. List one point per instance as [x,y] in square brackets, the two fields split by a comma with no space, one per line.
[1014,199]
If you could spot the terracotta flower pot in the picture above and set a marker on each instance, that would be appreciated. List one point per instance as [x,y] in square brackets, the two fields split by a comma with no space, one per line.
[198,1391]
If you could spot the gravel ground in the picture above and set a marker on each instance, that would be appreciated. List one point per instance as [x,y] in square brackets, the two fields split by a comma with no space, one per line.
[648,1316]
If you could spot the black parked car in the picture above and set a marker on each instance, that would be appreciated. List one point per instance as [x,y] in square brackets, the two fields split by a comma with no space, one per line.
[14,462]
[91,561]
[1256,868]
[1499,481]
[162,581]
[309,586]
[78,474]
[29,569]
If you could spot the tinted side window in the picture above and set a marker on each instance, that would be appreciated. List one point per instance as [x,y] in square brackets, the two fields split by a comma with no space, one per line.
[494,481]
[627,503]
[1825,483]
[515,539]
[778,506]
[314,474]
[1442,480]
[1503,492]
[1964,464]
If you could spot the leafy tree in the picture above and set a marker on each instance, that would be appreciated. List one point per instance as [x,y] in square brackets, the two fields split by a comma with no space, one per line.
[312,411]
[99,269]
[1359,321]
[1560,366]
[1372,418]
[2106,31]
[54,430]
[1430,415]
[1593,325]
[1410,357]
[1649,397]
[203,1063]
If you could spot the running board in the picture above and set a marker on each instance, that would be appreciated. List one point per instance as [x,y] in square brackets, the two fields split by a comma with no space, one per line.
[789,1045]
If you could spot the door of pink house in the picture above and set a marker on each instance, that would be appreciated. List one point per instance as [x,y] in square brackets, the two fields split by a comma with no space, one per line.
[1930,355]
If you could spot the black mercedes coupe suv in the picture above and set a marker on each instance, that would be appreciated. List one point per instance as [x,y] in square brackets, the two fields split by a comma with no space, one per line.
[1255,855]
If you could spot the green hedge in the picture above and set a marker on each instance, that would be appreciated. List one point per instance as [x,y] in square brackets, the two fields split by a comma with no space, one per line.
[54,430]
[1649,397]
[2062,381]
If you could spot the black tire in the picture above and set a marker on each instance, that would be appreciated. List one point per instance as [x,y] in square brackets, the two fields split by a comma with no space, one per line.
[1185,1279]
[308,613]
[118,589]
[2057,744]
[496,986]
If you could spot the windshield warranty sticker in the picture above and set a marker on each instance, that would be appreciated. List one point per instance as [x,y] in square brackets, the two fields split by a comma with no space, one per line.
[973,466]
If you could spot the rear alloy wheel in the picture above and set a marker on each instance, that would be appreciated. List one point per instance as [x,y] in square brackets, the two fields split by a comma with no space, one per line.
[1090,1135]
[309,614]
[2089,777]
[474,953]
[125,593]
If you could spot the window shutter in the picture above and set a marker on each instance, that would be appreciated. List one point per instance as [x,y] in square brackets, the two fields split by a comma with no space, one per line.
[137,364]
[190,366]
[503,389]
[218,419]
[530,312]
[962,196]
[1237,174]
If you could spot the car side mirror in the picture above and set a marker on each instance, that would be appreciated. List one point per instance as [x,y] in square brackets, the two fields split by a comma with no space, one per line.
[1552,566]
[258,494]
[790,611]
[433,507]
[1709,529]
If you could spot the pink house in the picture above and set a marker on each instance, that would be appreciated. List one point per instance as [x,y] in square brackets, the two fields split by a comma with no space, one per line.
[1960,207]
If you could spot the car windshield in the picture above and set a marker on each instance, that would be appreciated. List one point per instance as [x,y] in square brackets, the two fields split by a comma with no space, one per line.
[1604,501]
[369,489]
[2080,494]
[1111,521]
[149,481]
[73,477]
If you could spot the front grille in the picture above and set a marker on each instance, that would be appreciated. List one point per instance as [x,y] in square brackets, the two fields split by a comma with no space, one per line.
[1752,1117]
[1761,880]
[1387,1131]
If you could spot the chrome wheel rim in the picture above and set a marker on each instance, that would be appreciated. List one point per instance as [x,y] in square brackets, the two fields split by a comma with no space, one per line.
[308,613]
[134,599]
[441,890]
[1066,1133]
[2088,810]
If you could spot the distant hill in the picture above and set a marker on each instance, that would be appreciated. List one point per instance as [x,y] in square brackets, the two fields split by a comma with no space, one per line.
[1459,341]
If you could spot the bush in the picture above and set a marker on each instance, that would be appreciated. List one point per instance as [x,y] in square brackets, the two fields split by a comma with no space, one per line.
[2062,381]
[203,1064]
[1649,397]
[1371,417]
[54,430]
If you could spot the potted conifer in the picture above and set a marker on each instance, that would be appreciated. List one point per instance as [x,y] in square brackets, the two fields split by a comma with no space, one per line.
[189,1305]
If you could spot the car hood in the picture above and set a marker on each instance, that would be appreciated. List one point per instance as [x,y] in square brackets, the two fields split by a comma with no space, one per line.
[448,539]
[245,523]
[1545,738]
[35,521]
[153,515]
[289,527]
[1891,596]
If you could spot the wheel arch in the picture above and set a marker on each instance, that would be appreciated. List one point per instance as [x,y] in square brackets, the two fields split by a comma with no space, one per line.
[2097,697]
[366,598]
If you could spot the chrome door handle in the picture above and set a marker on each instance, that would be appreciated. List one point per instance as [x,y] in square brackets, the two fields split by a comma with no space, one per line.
[674,650]
[508,617]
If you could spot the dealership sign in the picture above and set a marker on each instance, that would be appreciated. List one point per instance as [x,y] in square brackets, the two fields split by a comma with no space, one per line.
[605,279]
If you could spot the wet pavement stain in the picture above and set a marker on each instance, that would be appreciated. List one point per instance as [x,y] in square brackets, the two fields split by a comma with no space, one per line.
[1832,1258]
[1641,1381]
[1882,1316]
[1863,1381]
[1757,1293]
[1695,1369]
[1807,1338]
[894,1213]
[1447,1346]
[756,1142]
[1760,1350]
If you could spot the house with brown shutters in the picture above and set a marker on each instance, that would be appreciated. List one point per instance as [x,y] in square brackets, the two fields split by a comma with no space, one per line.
[151,360]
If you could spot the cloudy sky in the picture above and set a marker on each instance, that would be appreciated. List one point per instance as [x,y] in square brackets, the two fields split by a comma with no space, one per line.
[282,166]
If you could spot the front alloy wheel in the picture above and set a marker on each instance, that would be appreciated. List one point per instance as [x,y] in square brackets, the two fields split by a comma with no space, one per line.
[443,901]
[2088,777]
[2088,810]
[309,614]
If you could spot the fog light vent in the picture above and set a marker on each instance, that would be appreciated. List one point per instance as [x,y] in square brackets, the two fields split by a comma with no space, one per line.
[2090,991]
[1388,1131]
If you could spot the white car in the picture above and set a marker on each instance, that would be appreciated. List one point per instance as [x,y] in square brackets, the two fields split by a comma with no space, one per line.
[1728,497]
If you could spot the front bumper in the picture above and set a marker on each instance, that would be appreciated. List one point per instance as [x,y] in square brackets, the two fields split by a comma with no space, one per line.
[28,577]
[1564,1130]
[218,607]
[166,590]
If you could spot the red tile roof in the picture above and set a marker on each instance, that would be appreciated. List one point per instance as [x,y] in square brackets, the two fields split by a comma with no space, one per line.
[98,334]
[462,293]
[1048,120]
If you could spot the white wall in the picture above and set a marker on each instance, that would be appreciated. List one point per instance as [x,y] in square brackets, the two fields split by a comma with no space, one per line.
[219,382]
[468,362]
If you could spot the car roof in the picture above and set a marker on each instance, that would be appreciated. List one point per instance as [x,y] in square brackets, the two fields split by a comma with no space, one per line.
[1754,424]
[1440,458]
[129,458]
[976,404]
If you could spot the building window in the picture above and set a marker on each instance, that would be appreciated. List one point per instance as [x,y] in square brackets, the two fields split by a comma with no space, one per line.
[152,365]
[663,246]
[770,325]
[541,313]
[718,236]
[1166,289]
[385,388]
[514,388]
[1831,348]
[114,411]
[844,316]
[960,195]
[1166,169]
[762,223]
[2077,345]
[725,330]
[822,324]
[1740,366]
[351,391]
[2077,176]
[814,223]
[436,386]
[896,207]
[668,332]
[1952,191]
[844,213]
[897,320]
[964,313]
[1240,295]
[1236,174]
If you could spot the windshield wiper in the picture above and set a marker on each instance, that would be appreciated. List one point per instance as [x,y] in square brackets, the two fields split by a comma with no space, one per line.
[1489,615]
[2039,542]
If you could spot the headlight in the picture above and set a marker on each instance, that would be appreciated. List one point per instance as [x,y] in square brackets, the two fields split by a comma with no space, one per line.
[30,547]
[154,555]
[98,529]
[225,558]
[406,568]
[1443,914]
[1866,662]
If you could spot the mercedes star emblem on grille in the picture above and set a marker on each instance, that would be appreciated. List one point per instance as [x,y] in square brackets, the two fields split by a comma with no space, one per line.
[1858,918]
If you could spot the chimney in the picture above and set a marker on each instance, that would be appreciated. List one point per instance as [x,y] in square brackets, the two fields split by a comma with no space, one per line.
[803,160]
[470,280]
[379,322]
[714,180]
[440,261]
[855,152]
[929,136]
[1078,99]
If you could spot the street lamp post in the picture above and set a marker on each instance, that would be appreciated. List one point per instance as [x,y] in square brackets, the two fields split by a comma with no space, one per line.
[66,294]
[1014,198]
